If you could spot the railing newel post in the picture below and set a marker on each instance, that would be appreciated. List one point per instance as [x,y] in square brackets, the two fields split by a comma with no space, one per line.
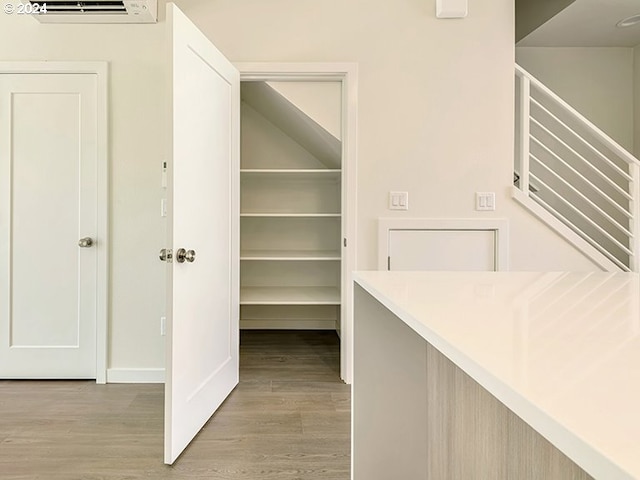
[634,221]
[524,140]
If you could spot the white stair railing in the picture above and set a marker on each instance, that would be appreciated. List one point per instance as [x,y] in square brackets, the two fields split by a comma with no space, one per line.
[577,173]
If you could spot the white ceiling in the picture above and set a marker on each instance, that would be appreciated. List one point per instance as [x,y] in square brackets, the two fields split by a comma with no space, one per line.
[588,23]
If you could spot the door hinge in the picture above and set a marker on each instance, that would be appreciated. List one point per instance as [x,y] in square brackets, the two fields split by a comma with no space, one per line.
[389,263]
[344,242]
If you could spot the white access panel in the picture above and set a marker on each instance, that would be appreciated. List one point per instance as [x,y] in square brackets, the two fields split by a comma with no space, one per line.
[442,250]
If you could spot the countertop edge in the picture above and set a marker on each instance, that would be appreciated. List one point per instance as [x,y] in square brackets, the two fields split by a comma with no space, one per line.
[578,450]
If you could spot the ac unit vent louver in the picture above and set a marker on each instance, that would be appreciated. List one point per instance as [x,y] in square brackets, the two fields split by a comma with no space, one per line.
[96,11]
[89,6]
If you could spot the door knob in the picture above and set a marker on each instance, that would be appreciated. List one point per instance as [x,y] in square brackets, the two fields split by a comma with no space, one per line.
[166,255]
[85,242]
[188,255]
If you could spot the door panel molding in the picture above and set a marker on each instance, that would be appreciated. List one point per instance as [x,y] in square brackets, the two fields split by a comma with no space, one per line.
[100,70]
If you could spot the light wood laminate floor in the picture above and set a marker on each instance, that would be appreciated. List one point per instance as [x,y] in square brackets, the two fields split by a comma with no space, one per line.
[289,418]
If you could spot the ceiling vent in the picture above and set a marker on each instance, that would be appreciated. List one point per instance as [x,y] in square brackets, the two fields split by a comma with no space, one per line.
[95,11]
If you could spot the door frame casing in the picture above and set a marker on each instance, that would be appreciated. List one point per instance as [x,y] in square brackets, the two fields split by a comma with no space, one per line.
[347,75]
[100,70]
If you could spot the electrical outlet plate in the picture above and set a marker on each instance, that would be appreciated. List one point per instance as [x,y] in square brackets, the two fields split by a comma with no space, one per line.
[451,8]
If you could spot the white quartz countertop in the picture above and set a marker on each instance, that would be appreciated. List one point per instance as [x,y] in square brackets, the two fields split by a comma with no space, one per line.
[561,350]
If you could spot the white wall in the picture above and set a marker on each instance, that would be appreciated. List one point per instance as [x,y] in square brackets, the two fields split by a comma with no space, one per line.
[435,118]
[137,232]
[435,102]
[598,82]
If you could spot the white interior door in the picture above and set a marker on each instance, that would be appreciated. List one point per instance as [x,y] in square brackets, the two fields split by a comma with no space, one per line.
[203,201]
[48,201]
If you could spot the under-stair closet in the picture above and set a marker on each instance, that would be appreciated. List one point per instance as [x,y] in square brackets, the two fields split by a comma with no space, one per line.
[291,206]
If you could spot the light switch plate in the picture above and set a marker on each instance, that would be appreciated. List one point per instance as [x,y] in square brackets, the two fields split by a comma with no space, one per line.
[398,200]
[485,201]
[451,8]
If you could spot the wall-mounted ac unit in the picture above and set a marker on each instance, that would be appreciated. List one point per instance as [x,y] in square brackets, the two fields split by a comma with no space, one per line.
[95,11]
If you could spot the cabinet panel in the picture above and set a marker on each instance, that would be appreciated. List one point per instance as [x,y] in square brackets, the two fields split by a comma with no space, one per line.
[453,250]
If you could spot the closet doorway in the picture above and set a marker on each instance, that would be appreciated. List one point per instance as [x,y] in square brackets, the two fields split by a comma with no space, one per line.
[297,199]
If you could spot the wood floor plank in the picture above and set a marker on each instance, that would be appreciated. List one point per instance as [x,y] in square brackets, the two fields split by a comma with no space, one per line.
[287,419]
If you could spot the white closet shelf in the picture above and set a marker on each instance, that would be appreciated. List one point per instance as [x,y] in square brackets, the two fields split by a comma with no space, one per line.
[290,255]
[275,171]
[289,296]
[290,177]
[291,215]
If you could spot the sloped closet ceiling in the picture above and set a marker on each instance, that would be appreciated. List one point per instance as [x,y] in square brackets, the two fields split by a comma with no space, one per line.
[299,126]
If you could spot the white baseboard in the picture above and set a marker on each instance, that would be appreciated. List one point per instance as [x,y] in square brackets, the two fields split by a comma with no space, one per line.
[135,375]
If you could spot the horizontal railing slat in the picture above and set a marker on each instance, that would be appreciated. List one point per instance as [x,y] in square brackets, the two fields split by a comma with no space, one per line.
[593,205]
[604,138]
[615,204]
[618,170]
[585,161]
[597,180]
[586,237]
[611,238]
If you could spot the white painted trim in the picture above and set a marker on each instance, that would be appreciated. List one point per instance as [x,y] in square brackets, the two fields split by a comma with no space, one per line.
[634,261]
[499,225]
[569,235]
[347,73]
[524,132]
[104,247]
[135,375]
[100,69]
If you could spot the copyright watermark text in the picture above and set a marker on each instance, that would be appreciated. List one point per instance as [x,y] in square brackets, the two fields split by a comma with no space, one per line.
[25,8]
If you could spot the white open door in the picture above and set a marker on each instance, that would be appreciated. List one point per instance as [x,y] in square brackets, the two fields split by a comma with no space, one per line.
[203,233]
